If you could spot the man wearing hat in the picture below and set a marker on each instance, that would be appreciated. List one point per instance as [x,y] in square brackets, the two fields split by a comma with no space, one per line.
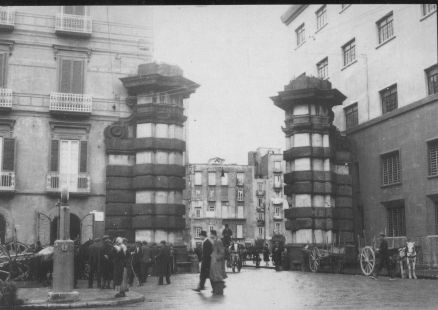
[382,252]
[207,249]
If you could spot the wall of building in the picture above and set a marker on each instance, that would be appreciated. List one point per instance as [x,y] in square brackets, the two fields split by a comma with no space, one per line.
[413,48]
[121,39]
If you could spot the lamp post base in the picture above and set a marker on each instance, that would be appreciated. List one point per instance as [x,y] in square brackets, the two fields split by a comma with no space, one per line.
[63,297]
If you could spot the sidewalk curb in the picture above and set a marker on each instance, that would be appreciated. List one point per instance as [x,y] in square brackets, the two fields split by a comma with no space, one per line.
[87,304]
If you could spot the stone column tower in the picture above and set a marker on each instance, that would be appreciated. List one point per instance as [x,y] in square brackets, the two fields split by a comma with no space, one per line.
[145,192]
[318,183]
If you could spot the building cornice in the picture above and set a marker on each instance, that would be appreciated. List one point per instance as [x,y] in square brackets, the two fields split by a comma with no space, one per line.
[292,13]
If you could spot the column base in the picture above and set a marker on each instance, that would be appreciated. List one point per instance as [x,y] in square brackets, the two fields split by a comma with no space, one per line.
[63,297]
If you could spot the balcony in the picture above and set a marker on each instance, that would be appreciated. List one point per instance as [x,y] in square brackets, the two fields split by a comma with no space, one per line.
[260,223]
[278,217]
[260,192]
[5,99]
[66,103]
[73,25]
[260,209]
[7,181]
[77,183]
[278,184]
[7,18]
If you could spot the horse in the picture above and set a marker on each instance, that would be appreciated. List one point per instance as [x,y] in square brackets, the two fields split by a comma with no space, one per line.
[410,257]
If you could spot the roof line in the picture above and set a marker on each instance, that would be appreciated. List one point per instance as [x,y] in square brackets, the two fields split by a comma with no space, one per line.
[292,13]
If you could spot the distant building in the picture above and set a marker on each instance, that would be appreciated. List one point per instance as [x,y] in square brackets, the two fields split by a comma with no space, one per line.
[268,195]
[220,194]
[383,58]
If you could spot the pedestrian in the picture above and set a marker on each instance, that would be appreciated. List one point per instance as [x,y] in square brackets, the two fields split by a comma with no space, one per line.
[384,261]
[226,236]
[107,264]
[217,266]
[276,255]
[121,258]
[95,262]
[266,254]
[154,254]
[163,263]
[146,262]
[136,263]
[207,248]
[172,258]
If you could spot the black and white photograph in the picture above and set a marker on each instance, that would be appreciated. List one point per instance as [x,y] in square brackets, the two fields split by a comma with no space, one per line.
[219,156]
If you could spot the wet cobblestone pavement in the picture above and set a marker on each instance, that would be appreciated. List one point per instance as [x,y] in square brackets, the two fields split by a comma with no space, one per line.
[267,289]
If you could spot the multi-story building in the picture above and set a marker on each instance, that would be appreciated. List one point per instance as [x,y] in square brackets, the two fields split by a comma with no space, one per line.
[268,195]
[220,194]
[60,87]
[383,58]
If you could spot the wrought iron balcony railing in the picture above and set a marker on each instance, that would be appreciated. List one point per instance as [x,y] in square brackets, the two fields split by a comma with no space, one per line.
[7,181]
[5,98]
[73,24]
[7,17]
[70,103]
[260,223]
[260,192]
[76,183]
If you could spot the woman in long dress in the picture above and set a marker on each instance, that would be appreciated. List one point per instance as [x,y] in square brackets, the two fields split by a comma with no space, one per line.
[217,265]
[121,258]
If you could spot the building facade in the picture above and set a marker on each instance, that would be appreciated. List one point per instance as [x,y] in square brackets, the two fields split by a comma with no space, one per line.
[268,195]
[219,194]
[59,90]
[383,58]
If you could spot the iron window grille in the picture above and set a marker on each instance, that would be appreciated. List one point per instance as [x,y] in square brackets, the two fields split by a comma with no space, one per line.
[351,116]
[432,80]
[389,100]
[433,158]
[321,17]
[349,52]
[428,8]
[396,221]
[391,169]
[300,33]
[386,28]
[322,68]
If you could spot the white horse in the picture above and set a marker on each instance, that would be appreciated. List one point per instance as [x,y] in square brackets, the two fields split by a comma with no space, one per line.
[409,255]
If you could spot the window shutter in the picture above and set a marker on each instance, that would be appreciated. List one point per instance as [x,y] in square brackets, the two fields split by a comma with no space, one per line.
[8,154]
[54,156]
[65,76]
[3,69]
[83,157]
[77,81]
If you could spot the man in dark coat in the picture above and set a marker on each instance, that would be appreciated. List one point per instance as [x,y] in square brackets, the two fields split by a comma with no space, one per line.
[276,255]
[207,249]
[95,256]
[383,254]
[163,263]
[226,236]
[106,262]
[154,254]
[146,261]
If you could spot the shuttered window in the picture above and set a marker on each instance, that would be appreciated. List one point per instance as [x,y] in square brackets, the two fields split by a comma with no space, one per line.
[433,158]
[83,157]
[71,76]
[3,60]
[8,159]
[54,156]
[391,170]
[396,221]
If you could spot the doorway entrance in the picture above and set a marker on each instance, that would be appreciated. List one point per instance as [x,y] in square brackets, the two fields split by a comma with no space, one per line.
[75,228]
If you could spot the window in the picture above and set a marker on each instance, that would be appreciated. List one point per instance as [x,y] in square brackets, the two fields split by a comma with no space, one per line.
[211,194]
[239,233]
[321,17]
[198,192]
[198,178]
[277,211]
[240,195]
[277,181]
[210,228]
[300,35]
[260,202]
[391,170]
[432,80]
[351,116]
[385,28]
[198,212]
[277,165]
[428,8]
[349,52]
[7,159]
[71,73]
[260,216]
[433,158]
[277,228]
[322,68]
[240,212]
[396,221]
[198,231]
[224,193]
[3,68]
[388,96]
[74,9]
[260,232]
[212,178]
[224,179]
[240,178]
[260,186]
[211,207]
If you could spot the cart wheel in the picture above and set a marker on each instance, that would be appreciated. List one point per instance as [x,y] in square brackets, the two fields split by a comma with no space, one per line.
[367,260]
[314,259]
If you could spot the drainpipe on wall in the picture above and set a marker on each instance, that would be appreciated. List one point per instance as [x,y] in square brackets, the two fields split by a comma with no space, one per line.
[367,87]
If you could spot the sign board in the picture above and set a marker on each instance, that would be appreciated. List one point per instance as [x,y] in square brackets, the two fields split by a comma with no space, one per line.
[99,216]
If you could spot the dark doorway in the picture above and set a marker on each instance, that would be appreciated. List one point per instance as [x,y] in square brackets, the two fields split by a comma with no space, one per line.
[75,228]
[2,229]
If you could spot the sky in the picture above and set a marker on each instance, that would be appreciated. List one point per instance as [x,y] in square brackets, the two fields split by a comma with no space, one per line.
[240,56]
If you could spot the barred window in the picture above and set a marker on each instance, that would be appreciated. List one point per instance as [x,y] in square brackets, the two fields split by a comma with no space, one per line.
[321,17]
[300,33]
[391,170]
[385,28]
[388,97]
[396,221]
[432,80]
[433,158]
[322,68]
[351,116]
[349,52]
[428,8]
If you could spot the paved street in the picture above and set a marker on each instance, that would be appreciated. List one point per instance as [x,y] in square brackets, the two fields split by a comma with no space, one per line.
[267,289]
